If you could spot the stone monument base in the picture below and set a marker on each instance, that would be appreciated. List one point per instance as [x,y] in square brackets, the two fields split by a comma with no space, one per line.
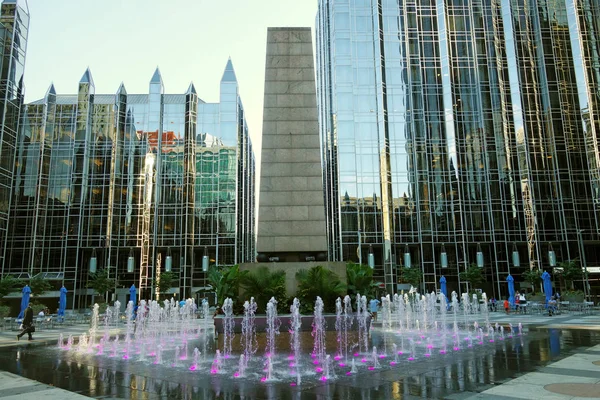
[290,269]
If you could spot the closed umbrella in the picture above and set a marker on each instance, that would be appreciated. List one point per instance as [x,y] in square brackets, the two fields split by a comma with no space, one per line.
[547,284]
[443,288]
[62,301]
[511,289]
[132,294]
[24,300]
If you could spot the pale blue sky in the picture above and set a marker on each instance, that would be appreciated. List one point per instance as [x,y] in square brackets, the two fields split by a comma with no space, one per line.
[124,40]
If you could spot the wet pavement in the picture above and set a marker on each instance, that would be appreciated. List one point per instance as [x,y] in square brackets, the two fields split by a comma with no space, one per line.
[477,371]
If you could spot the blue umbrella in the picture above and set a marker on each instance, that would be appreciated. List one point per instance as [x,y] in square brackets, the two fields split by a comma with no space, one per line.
[511,289]
[443,288]
[547,285]
[62,301]
[24,300]
[132,294]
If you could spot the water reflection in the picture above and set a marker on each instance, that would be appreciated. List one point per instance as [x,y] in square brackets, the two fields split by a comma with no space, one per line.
[466,370]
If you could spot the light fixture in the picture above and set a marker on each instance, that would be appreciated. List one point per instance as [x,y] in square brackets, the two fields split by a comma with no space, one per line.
[444,257]
[406,257]
[479,256]
[168,261]
[551,256]
[93,262]
[130,261]
[371,258]
[205,260]
[515,256]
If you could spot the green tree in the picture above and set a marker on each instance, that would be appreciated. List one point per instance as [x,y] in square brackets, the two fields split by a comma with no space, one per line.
[532,276]
[165,282]
[472,275]
[359,279]
[412,276]
[9,284]
[318,281]
[39,286]
[101,283]
[570,271]
[226,281]
[262,284]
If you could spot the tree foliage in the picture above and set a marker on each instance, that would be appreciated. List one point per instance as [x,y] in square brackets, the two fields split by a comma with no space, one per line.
[165,282]
[101,283]
[226,281]
[359,279]
[533,276]
[472,274]
[412,276]
[318,281]
[9,284]
[262,284]
[570,271]
[39,286]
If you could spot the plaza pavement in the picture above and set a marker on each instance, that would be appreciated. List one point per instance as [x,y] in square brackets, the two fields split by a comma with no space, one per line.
[575,377]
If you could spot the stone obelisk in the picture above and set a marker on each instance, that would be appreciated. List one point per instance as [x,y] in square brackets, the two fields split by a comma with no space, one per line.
[291,217]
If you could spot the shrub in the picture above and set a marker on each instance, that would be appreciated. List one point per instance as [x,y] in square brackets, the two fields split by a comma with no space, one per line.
[360,280]
[318,281]
[262,284]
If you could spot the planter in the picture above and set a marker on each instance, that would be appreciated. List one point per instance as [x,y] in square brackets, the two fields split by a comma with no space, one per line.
[573,298]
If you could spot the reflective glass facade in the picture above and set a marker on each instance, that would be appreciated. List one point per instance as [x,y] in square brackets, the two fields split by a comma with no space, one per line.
[132,175]
[14,25]
[458,124]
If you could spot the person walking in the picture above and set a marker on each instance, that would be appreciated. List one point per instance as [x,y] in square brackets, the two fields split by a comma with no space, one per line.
[506,306]
[28,327]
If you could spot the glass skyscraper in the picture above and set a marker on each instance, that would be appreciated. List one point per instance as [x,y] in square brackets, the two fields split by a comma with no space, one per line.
[14,26]
[458,127]
[139,182]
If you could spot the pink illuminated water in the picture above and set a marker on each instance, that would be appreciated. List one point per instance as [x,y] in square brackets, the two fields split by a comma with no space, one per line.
[193,368]
[213,371]
[237,374]
[392,362]
[323,378]
[411,358]
[371,368]
[442,351]
[293,384]
[356,354]
[342,365]
[363,360]
[427,355]
[337,358]
[263,379]
[382,356]
[349,373]
[125,357]
[456,349]
[319,369]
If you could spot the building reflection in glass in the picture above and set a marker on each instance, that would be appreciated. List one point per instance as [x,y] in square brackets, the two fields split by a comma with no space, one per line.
[132,174]
[461,124]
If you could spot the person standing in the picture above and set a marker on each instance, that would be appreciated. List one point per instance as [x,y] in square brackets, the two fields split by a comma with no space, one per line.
[27,323]
[373,307]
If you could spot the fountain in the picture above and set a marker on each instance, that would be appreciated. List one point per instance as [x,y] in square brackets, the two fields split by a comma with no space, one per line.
[273,325]
[228,326]
[160,333]
[318,332]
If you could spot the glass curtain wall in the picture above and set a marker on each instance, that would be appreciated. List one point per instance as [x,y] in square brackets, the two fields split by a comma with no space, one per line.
[142,176]
[14,26]
[460,125]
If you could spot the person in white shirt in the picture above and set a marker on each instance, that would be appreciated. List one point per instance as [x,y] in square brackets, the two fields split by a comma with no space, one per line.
[41,313]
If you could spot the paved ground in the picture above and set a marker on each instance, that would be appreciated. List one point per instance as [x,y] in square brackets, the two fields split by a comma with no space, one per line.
[574,377]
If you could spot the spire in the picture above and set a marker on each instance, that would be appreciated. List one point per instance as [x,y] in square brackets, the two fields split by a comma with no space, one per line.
[156,78]
[51,91]
[229,74]
[191,89]
[121,89]
[87,77]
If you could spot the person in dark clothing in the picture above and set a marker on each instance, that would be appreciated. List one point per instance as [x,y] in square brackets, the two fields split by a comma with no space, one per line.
[27,323]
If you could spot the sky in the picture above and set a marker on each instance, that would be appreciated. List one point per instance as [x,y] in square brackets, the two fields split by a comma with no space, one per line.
[125,40]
